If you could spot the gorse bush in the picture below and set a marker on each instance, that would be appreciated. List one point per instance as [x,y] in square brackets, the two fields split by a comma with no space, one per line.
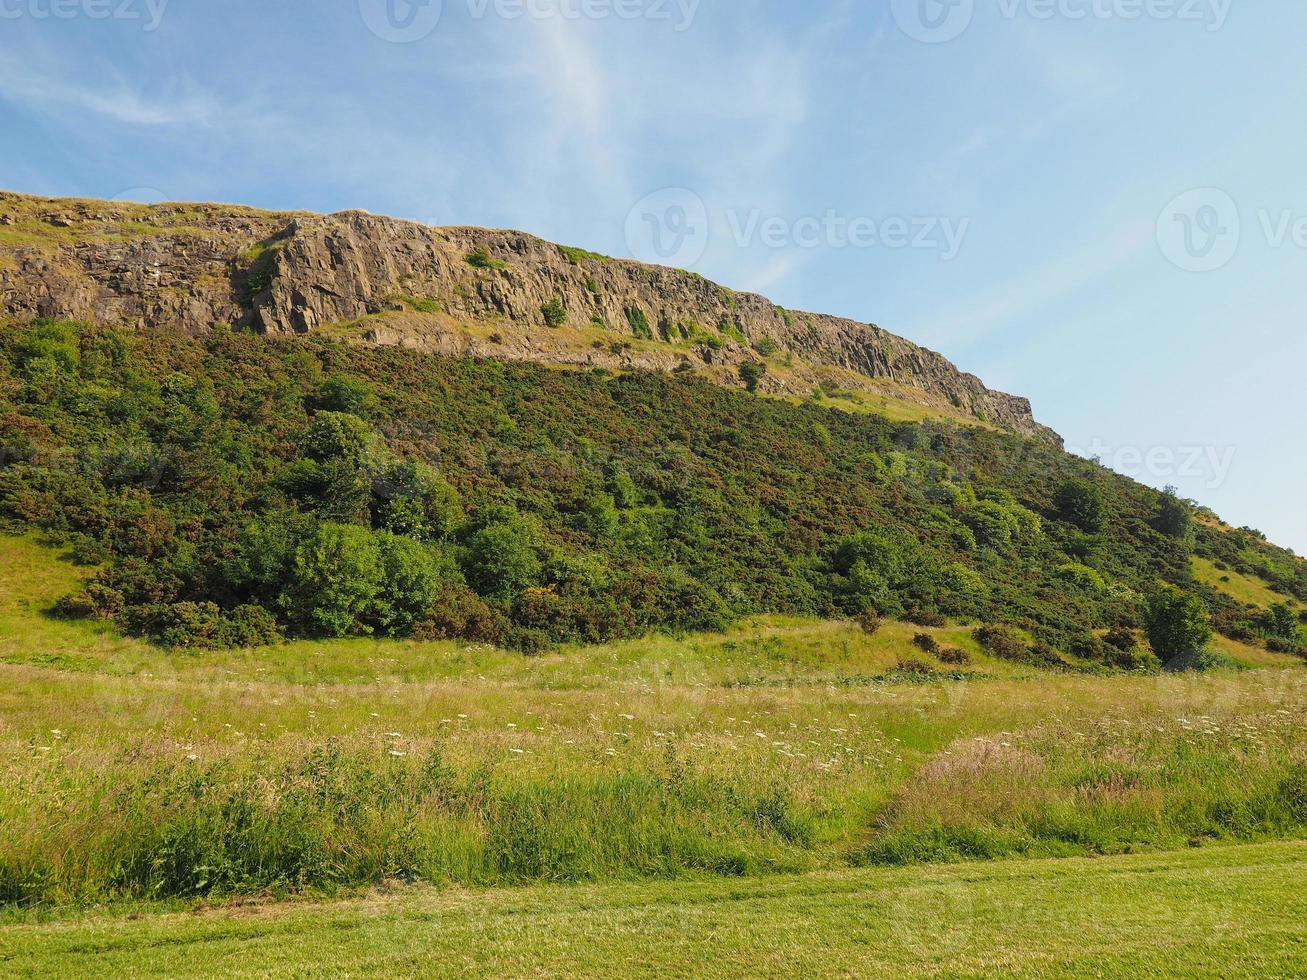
[348,490]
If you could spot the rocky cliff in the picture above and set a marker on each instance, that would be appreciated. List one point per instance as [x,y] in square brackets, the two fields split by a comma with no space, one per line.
[462,291]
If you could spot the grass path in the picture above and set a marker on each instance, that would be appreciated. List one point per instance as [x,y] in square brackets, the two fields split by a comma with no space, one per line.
[1238,911]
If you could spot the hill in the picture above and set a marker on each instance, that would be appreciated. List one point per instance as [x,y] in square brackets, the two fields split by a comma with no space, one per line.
[235,488]
[465,291]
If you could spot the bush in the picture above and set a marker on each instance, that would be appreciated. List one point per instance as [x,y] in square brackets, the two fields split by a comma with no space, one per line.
[456,612]
[343,394]
[75,605]
[1176,623]
[479,258]
[926,643]
[501,560]
[913,667]
[639,323]
[411,574]
[412,499]
[1121,638]
[336,576]
[954,656]
[1174,516]
[554,312]
[925,617]
[1080,502]
[1001,642]
[994,525]
[751,373]
[1201,661]
[1081,576]
[869,621]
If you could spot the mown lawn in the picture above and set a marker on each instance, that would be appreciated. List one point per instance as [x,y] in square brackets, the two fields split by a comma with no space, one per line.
[1218,912]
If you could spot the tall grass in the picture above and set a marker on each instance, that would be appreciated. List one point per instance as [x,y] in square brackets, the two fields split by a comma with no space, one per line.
[128,772]
[620,783]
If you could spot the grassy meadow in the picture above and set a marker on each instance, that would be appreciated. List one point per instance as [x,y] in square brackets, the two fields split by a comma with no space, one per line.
[790,765]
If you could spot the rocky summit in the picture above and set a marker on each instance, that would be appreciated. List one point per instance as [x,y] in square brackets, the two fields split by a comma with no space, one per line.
[459,291]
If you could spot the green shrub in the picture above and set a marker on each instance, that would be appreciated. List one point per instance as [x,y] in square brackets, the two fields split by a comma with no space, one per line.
[1177,623]
[751,373]
[479,258]
[501,559]
[1081,503]
[639,323]
[554,312]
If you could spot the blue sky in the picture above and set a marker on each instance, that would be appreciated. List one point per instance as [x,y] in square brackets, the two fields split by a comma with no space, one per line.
[1100,204]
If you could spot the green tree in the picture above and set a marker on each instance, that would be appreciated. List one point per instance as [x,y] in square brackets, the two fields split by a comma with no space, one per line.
[341,393]
[335,579]
[412,498]
[1176,623]
[1081,503]
[501,559]
[411,578]
[751,373]
[1174,516]
[341,436]
[994,525]
[1280,622]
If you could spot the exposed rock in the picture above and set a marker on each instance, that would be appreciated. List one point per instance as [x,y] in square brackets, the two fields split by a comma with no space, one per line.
[386,281]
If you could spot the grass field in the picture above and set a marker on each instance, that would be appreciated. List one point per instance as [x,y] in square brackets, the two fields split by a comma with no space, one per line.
[784,796]
[1219,912]
[1243,588]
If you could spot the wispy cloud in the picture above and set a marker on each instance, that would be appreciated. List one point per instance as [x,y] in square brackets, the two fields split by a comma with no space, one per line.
[1035,289]
[35,85]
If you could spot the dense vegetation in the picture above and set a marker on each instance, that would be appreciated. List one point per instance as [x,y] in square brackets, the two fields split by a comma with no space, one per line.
[236,489]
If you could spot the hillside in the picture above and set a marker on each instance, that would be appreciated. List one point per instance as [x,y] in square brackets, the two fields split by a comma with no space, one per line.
[464,291]
[234,489]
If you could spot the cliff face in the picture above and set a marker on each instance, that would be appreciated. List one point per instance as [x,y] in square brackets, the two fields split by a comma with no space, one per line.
[464,291]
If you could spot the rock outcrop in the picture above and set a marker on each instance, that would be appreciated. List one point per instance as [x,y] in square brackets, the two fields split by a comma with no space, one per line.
[462,291]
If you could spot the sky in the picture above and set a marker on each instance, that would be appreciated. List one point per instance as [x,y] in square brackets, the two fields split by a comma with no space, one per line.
[1098,204]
